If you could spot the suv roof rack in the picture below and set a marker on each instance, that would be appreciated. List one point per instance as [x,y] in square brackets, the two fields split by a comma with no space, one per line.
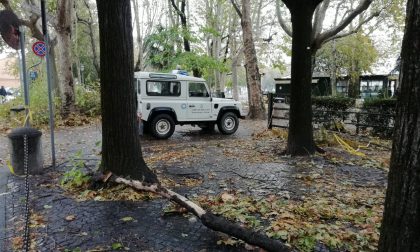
[162,76]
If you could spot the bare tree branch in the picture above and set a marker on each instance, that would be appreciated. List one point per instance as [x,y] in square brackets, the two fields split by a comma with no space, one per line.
[320,12]
[35,10]
[343,24]
[286,28]
[336,12]
[236,7]
[355,30]
[208,219]
[180,13]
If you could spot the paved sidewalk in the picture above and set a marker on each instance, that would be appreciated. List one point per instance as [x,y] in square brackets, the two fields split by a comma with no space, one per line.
[4,174]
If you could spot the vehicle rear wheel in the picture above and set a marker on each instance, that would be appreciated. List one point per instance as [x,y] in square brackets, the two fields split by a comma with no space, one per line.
[162,126]
[228,123]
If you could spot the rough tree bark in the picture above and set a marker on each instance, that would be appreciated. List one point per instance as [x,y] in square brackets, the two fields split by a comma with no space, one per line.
[400,227]
[354,82]
[121,151]
[256,106]
[64,45]
[235,54]
[300,138]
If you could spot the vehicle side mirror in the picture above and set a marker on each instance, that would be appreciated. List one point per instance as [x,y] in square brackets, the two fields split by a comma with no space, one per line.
[211,99]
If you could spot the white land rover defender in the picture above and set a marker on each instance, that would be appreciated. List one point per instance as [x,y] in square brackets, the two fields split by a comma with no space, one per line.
[165,100]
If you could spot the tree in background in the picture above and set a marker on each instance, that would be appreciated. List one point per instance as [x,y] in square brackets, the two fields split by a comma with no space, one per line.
[147,14]
[62,24]
[121,151]
[400,229]
[256,106]
[64,28]
[347,57]
[307,38]
[86,40]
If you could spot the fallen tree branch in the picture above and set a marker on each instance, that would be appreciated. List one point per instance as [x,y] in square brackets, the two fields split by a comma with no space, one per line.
[208,219]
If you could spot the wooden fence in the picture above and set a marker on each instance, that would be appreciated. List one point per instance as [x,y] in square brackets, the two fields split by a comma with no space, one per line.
[278,116]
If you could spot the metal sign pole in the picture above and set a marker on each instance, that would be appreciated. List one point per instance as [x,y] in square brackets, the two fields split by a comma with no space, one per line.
[50,98]
[24,76]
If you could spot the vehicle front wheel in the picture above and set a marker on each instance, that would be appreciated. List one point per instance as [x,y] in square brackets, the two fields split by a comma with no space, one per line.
[228,123]
[162,126]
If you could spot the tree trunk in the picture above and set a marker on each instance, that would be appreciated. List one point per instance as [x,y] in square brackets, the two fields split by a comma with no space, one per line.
[235,94]
[400,227]
[235,54]
[354,82]
[300,138]
[54,71]
[121,151]
[92,38]
[139,62]
[64,46]
[256,106]
[333,83]
[354,86]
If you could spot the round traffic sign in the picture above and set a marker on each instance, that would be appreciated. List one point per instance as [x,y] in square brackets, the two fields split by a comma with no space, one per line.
[39,48]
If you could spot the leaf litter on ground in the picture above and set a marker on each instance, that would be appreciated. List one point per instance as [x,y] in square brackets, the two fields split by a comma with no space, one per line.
[333,211]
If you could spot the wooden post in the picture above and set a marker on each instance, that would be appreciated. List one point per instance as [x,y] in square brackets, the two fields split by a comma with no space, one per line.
[270,110]
[357,122]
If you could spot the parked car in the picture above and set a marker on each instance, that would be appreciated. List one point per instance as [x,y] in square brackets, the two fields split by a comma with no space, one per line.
[166,100]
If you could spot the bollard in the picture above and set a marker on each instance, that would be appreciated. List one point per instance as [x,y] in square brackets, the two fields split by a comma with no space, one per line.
[17,153]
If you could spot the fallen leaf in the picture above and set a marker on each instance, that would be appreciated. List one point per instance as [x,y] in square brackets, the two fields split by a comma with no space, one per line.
[70,217]
[127,219]
[226,197]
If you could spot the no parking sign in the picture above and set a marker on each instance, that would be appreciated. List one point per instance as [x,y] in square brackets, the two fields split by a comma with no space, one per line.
[39,48]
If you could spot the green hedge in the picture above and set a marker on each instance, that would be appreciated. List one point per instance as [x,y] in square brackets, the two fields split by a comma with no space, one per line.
[382,115]
[332,103]
[328,110]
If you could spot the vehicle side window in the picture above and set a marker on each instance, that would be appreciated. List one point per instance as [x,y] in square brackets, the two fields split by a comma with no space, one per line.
[197,89]
[163,88]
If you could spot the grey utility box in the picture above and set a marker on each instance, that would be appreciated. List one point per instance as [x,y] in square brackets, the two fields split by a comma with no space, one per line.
[17,152]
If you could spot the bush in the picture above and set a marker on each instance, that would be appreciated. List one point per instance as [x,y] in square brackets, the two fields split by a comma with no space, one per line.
[38,105]
[329,110]
[88,101]
[381,117]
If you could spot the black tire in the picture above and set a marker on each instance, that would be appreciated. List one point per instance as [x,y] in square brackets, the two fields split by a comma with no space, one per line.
[162,126]
[228,123]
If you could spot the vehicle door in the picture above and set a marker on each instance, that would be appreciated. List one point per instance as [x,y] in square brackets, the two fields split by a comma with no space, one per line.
[199,102]
[166,94]
[138,96]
